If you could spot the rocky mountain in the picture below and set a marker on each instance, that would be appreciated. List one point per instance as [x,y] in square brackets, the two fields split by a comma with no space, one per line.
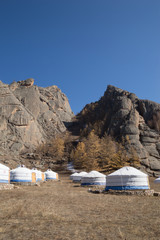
[122,115]
[29,115]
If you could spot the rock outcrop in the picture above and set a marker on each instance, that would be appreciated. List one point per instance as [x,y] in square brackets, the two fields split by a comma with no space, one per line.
[122,114]
[29,115]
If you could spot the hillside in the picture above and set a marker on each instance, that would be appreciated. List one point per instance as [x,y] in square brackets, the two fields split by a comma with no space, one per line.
[32,116]
[29,116]
[125,117]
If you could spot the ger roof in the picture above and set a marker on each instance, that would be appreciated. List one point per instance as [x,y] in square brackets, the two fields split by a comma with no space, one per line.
[74,174]
[21,169]
[82,173]
[94,174]
[3,166]
[49,171]
[36,170]
[157,180]
[127,171]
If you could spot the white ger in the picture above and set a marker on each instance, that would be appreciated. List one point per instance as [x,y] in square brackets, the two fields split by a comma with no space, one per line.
[93,178]
[50,175]
[127,178]
[4,174]
[72,175]
[157,180]
[21,174]
[78,176]
[38,174]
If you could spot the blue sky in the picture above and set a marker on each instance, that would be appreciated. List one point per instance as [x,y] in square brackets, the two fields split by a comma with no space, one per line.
[82,46]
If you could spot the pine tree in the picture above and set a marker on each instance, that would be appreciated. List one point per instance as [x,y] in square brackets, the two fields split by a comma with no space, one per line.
[92,146]
[86,154]
[107,151]
[79,155]
[56,148]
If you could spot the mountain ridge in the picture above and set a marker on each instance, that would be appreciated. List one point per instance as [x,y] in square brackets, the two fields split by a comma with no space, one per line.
[31,115]
[120,113]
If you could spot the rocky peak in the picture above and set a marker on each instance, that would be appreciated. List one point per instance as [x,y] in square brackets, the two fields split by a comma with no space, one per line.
[30,115]
[121,114]
[24,83]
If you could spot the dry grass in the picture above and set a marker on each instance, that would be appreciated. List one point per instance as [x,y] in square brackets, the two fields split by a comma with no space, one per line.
[59,210]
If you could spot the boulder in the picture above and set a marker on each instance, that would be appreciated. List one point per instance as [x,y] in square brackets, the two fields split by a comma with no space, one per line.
[151,140]
[154,163]
[152,150]
[158,147]
[27,83]
[130,129]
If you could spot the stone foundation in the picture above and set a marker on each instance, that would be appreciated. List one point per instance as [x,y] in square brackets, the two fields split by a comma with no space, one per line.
[6,186]
[150,192]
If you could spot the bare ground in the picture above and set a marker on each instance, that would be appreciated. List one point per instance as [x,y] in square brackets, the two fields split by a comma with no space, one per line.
[62,211]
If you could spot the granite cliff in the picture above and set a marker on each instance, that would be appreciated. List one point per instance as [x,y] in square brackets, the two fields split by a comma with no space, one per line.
[122,115]
[29,115]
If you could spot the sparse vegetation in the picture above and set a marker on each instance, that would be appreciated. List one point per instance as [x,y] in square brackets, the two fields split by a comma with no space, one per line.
[54,148]
[60,211]
[91,152]
[104,154]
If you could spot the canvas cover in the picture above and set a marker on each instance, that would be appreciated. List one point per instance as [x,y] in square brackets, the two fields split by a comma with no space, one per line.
[157,180]
[77,177]
[72,175]
[51,175]
[127,178]
[4,174]
[21,174]
[38,174]
[93,178]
